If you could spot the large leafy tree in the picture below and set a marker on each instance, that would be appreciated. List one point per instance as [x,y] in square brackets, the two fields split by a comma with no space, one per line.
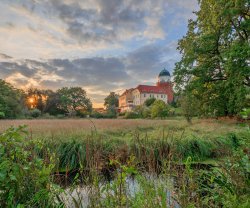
[74,100]
[111,102]
[47,101]
[11,100]
[216,56]
[36,98]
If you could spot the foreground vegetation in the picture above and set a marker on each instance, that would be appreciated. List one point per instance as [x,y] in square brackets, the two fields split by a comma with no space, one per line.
[171,163]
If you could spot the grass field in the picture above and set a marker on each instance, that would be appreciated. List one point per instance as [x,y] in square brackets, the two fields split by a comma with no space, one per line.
[208,157]
[68,126]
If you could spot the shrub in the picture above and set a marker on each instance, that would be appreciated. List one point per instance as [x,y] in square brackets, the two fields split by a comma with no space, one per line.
[60,116]
[245,113]
[131,115]
[35,113]
[149,101]
[159,109]
[96,114]
[47,116]
[24,177]
[122,113]
[110,115]
[2,115]
[146,113]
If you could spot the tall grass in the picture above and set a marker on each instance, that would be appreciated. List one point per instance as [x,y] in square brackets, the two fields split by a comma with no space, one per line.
[151,149]
[171,153]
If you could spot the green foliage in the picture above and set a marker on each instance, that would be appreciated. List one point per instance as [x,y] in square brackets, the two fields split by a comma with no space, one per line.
[11,100]
[140,111]
[95,114]
[2,115]
[146,113]
[149,101]
[111,101]
[228,185]
[73,100]
[159,109]
[35,113]
[245,113]
[24,178]
[27,167]
[131,115]
[189,106]
[215,57]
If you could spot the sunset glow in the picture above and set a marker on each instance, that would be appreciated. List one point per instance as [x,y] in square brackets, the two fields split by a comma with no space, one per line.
[100,45]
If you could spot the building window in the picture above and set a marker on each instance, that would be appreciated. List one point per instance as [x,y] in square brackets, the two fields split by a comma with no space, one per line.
[144,95]
[161,96]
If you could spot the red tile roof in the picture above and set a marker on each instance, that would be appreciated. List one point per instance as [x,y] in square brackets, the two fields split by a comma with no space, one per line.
[151,89]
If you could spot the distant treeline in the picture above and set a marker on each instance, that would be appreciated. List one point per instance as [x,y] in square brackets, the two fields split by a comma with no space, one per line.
[16,103]
[74,102]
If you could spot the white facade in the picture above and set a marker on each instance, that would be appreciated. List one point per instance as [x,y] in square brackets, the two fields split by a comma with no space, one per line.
[137,96]
[140,98]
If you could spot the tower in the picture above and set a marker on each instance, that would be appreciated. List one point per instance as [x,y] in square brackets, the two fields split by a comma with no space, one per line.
[164,82]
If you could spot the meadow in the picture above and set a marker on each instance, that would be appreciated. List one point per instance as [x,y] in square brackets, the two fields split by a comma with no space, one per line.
[175,164]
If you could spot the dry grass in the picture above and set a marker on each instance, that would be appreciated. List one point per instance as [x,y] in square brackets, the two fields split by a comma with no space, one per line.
[71,125]
[54,126]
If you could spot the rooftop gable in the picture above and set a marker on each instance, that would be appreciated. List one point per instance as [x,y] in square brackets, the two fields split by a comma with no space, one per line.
[151,89]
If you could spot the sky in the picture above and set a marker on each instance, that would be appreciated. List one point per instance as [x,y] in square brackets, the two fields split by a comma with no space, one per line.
[99,45]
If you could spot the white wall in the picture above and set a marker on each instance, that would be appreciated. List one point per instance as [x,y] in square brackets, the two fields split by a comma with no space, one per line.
[136,97]
[145,96]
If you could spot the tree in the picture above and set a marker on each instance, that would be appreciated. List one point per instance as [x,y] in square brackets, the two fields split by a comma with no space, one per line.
[11,100]
[214,67]
[111,102]
[52,103]
[188,106]
[149,101]
[37,98]
[74,100]
[159,109]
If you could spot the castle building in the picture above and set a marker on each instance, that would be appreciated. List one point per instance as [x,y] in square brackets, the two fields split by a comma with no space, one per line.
[137,96]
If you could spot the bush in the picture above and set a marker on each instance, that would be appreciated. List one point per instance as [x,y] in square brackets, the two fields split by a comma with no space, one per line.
[47,116]
[122,113]
[96,114]
[35,113]
[110,115]
[131,115]
[2,115]
[149,101]
[24,177]
[245,113]
[60,116]
[159,109]
[146,113]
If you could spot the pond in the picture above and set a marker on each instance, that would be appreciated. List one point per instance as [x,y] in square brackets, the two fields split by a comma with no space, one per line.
[85,195]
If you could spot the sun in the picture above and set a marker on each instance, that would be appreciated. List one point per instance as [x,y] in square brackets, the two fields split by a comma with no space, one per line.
[31,100]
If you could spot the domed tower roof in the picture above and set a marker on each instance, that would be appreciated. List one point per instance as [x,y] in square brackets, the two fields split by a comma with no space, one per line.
[164,72]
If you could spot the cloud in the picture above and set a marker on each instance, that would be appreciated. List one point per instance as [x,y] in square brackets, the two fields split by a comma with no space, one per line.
[98,75]
[84,27]
[144,63]
[4,57]
[100,45]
